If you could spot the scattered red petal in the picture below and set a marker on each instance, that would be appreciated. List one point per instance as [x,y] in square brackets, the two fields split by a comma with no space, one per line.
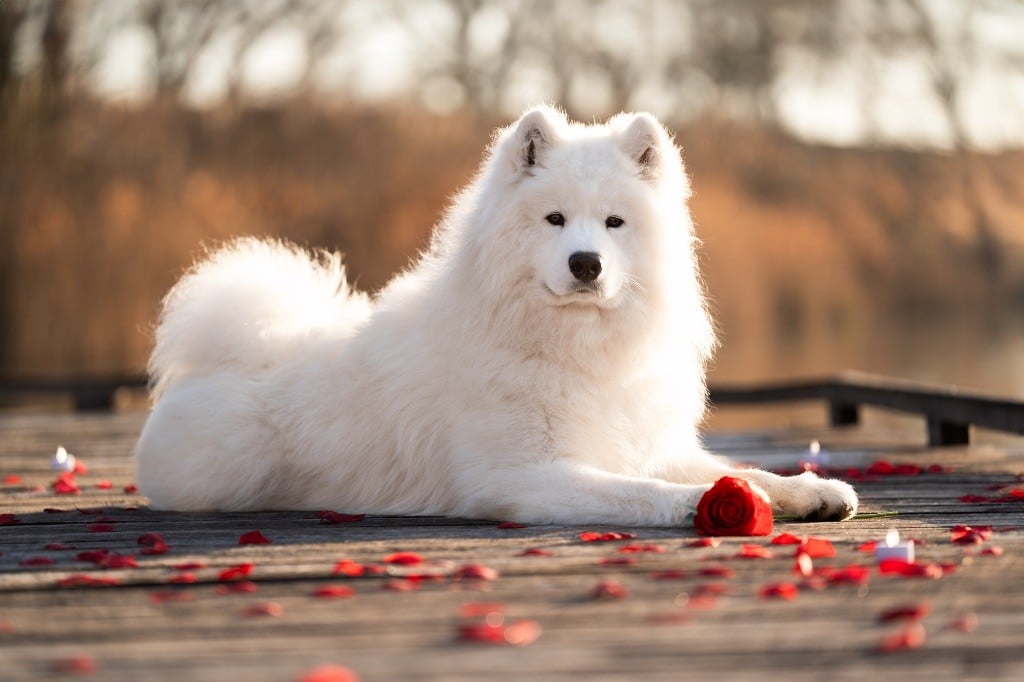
[609,589]
[702,602]
[787,591]
[401,585]
[328,516]
[880,468]
[253,537]
[329,673]
[75,665]
[239,587]
[849,575]
[131,488]
[100,528]
[65,484]
[710,590]
[83,580]
[803,565]
[490,633]
[1015,493]
[522,632]
[475,572]
[161,596]
[705,542]
[89,512]
[334,591]
[349,568]
[973,499]
[12,479]
[80,467]
[753,552]
[817,548]
[909,569]
[994,550]
[616,561]
[183,578]
[911,637]
[970,535]
[938,469]
[670,574]
[120,561]
[967,622]
[37,561]
[869,546]
[475,609]
[235,572]
[93,556]
[786,539]
[266,608]
[536,551]
[610,536]
[907,612]
[189,566]
[632,549]
[511,525]
[104,485]
[716,572]
[154,543]
[9,520]
[403,559]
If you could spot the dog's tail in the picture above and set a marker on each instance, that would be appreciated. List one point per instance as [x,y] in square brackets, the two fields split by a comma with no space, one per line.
[245,304]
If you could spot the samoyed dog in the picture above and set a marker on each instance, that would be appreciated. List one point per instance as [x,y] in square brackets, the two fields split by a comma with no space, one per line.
[543,361]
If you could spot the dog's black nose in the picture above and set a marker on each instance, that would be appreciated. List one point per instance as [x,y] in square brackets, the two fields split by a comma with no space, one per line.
[585,265]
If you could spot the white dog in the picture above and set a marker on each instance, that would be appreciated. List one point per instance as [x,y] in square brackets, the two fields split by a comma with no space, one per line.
[542,362]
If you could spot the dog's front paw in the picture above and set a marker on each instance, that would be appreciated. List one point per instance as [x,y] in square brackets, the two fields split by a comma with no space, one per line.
[816,499]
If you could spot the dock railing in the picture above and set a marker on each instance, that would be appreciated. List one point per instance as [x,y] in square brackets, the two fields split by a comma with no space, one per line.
[949,412]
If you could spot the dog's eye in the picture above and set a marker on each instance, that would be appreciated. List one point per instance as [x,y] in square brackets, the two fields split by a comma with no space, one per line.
[613,221]
[555,218]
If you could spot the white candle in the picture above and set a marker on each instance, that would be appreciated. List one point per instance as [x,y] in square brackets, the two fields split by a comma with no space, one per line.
[815,458]
[62,460]
[894,549]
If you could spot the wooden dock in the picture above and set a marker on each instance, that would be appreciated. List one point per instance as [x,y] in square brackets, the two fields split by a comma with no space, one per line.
[704,619]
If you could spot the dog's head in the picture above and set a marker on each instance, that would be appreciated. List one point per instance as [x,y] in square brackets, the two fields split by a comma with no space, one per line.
[596,214]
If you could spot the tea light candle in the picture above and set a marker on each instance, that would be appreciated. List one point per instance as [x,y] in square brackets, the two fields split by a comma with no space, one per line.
[816,458]
[894,549]
[62,460]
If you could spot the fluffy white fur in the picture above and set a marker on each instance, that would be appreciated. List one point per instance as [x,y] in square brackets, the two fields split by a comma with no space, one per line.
[487,381]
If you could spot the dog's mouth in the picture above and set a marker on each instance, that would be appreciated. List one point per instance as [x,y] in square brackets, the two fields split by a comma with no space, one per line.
[584,294]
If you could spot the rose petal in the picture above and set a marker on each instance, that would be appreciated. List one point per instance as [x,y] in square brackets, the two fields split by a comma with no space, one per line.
[869,546]
[100,528]
[403,558]
[131,489]
[253,537]
[753,552]
[328,516]
[9,520]
[716,572]
[329,673]
[906,612]
[610,536]
[480,609]
[266,608]
[911,637]
[349,568]
[12,479]
[536,551]
[994,550]
[475,572]
[817,548]
[909,569]
[37,561]
[609,589]
[705,542]
[787,591]
[633,549]
[183,578]
[235,572]
[334,591]
[967,622]
[189,566]
[83,580]
[786,539]
[511,525]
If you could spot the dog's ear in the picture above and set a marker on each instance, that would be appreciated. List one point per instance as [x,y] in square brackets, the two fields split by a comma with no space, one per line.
[532,136]
[644,140]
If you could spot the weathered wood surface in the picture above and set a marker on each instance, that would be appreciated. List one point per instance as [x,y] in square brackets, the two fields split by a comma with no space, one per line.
[384,635]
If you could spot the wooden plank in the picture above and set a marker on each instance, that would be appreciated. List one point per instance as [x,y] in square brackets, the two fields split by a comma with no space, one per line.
[387,635]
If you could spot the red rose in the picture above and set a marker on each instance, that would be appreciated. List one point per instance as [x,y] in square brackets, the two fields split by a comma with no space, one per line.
[732,508]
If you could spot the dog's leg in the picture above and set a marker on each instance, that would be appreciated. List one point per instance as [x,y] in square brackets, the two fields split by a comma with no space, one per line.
[806,496]
[572,493]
